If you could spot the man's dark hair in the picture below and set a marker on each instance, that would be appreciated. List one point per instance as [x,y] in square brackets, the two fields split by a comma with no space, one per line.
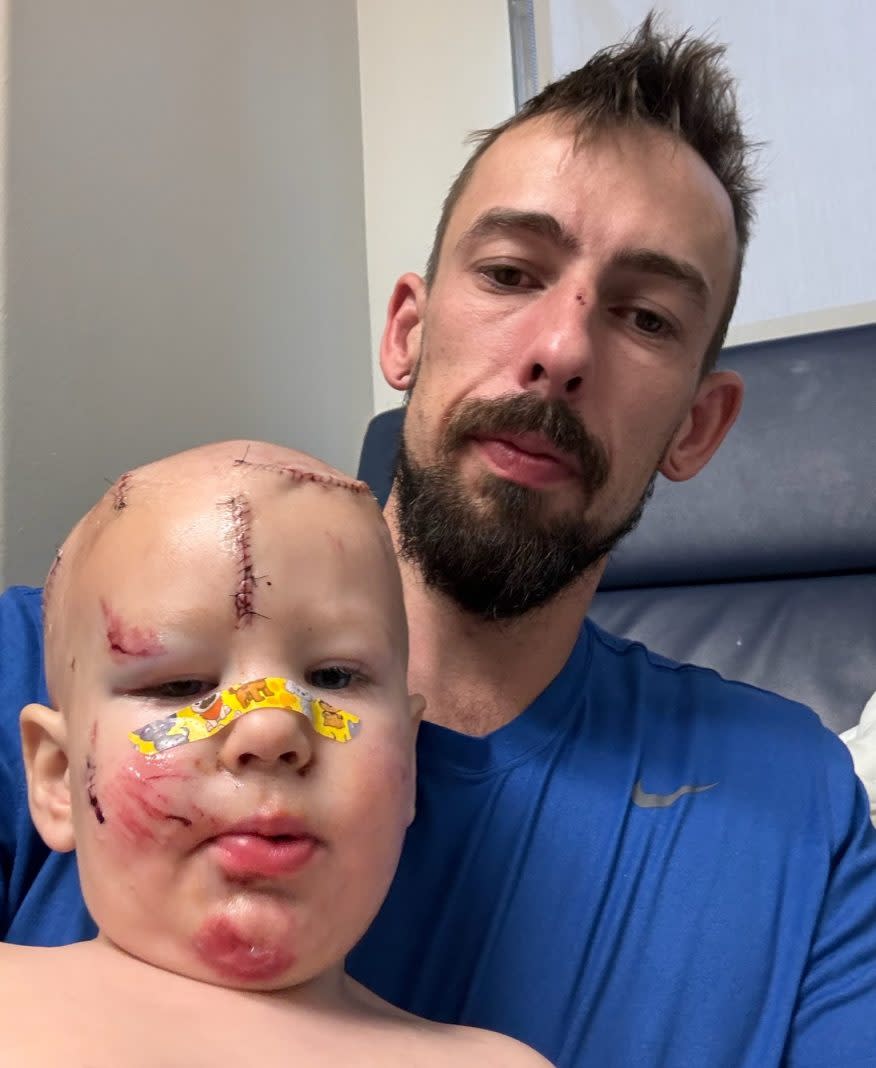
[680,85]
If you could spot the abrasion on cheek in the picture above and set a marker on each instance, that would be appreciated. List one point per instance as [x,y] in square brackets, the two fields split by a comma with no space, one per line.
[139,800]
[90,774]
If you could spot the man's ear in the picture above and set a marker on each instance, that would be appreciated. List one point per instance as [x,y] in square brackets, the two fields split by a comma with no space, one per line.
[714,409]
[400,344]
[44,743]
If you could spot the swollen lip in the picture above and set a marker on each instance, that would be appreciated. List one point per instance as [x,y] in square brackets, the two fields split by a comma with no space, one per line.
[246,855]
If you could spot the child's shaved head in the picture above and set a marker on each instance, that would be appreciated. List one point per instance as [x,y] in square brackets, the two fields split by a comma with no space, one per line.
[238,474]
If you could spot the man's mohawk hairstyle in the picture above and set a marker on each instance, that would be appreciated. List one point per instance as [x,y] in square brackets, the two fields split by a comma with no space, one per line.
[677,84]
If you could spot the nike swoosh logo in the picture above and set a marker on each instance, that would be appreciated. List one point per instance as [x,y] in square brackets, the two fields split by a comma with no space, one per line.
[646,800]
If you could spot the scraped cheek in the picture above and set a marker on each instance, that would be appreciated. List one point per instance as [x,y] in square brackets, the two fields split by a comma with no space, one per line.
[91,777]
[91,789]
[146,801]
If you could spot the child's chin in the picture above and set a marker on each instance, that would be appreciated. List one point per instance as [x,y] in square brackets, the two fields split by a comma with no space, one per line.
[236,955]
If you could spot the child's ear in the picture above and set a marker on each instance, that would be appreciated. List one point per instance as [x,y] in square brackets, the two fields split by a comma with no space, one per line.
[44,743]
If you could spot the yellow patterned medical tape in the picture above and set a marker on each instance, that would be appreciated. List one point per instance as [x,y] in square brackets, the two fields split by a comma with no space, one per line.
[210,714]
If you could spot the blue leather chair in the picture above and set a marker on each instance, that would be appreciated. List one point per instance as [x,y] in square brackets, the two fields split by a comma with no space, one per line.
[764,565]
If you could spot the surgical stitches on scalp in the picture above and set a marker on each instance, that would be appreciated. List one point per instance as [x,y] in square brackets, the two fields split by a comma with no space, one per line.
[301,474]
[120,492]
[237,506]
[241,533]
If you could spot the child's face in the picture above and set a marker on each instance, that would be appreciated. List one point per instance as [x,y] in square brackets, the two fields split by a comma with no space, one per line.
[258,855]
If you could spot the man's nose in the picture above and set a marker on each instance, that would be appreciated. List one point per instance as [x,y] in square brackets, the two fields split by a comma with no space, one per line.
[265,737]
[560,346]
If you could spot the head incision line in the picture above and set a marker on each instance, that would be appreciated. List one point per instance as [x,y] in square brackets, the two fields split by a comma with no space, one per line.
[228,466]
[117,496]
[302,474]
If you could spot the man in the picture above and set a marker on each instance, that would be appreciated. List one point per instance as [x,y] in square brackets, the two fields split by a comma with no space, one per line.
[617,859]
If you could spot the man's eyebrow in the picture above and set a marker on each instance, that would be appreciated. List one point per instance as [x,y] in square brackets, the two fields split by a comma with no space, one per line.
[511,220]
[649,261]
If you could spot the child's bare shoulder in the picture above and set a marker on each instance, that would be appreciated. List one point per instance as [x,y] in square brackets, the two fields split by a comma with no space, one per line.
[30,980]
[490,1050]
[447,1044]
[24,969]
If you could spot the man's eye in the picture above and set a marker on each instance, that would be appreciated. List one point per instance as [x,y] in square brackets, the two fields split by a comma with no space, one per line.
[330,678]
[507,277]
[650,322]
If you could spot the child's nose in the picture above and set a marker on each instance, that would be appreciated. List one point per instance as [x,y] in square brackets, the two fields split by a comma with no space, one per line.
[267,736]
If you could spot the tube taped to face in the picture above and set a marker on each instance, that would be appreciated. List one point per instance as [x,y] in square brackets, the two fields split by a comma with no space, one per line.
[210,714]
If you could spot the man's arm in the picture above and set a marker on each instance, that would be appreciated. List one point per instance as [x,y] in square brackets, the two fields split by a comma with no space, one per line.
[835,1020]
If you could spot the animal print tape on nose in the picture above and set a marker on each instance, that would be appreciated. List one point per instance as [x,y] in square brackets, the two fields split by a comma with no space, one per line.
[210,714]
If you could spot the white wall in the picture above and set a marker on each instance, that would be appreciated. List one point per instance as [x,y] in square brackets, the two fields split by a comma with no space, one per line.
[431,73]
[186,256]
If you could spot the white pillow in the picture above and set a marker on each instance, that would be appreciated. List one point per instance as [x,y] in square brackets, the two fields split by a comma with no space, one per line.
[861,741]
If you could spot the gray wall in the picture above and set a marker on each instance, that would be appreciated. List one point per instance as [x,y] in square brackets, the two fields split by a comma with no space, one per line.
[185,244]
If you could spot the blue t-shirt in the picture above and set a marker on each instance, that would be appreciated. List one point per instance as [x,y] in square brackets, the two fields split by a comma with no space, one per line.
[549,889]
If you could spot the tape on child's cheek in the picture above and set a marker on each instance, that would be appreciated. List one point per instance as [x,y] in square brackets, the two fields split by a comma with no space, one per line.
[215,712]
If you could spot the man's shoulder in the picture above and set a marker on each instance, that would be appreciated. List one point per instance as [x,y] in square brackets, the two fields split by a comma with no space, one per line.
[23,604]
[630,659]
[694,708]
[21,621]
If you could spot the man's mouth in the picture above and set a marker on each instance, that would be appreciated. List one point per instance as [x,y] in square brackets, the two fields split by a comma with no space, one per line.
[528,459]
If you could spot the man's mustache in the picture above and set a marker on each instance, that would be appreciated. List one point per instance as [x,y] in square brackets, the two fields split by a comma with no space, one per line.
[527,413]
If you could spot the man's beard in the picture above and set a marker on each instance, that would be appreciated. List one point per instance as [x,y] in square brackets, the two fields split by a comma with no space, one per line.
[502,557]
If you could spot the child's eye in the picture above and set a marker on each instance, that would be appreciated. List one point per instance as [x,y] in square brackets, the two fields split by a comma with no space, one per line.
[177,690]
[330,678]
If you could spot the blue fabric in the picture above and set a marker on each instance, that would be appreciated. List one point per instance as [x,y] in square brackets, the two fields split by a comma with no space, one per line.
[735,928]
[40,900]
